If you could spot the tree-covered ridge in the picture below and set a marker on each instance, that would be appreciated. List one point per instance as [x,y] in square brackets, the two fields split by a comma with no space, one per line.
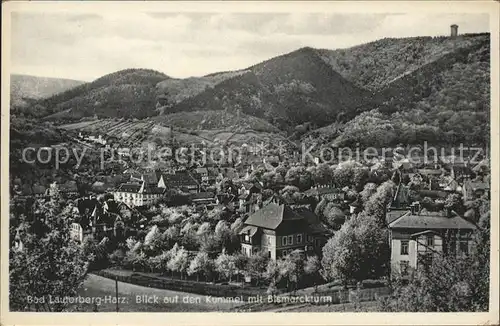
[376,64]
[445,101]
[115,90]
[177,90]
[286,90]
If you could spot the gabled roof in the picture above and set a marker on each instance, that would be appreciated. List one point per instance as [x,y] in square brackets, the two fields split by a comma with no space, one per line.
[394,214]
[249,229]
[129,187]
[477,185]
[203,195]
[312,220]
[430,171]
[181,178]
[318,191]
[430,220]
[271,216]
[432,193]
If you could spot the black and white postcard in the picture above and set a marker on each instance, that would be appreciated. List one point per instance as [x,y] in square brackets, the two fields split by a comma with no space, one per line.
[250,163]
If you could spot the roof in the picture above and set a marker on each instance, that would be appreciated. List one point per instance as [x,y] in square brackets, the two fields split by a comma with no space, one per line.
[178,179]
[394,214]
[153,190]
[271,216]
[477,185]
[129,187]
[430,171]
[69,186]
[201,170]
[433,193]
[318,191]
[312,220]
[430,220]
[203,195]
[249,229]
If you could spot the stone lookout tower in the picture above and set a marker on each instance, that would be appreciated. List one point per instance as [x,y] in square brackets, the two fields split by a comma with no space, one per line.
[454,30]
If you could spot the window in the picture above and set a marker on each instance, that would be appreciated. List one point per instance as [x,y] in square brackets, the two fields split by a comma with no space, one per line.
[430,241]
[290,239]
[283,241]
[403,265]
[299,238]
[464,247]
[247,238]
[269,254]
[404,247]
[309,238]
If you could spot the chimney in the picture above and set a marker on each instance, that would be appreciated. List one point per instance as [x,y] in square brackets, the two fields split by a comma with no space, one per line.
[454,30]
[415,208]
[447,212]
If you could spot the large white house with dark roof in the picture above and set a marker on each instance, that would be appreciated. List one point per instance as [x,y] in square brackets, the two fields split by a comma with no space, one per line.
[417,236]
[279,229]
[137,194]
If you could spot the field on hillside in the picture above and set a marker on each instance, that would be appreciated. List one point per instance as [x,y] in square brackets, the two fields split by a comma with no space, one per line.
[134,132]
[209,120]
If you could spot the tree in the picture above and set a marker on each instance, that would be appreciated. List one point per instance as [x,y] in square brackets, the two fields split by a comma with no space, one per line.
[368,191]
[377,204]
[291,268]
[223,234]
[153,240]
[311,268]
[256,265]
[334,216]
[299,176]
[226,265]
[358,251]
[201,265]
[47,261]
[179,261]
[322,174]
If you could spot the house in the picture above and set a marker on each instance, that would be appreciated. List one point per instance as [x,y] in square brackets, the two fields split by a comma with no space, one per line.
[69,189]
[328,191]
[249,196]
[418,235]
[206,198]
[135,194]
[279,229]
[203,173]
[474,189]
[181,180]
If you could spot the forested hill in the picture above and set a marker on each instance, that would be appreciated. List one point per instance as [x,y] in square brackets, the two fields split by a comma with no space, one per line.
[129,92]
[24,89]
[376,64]
[446,100]
[433,84]
[286,91]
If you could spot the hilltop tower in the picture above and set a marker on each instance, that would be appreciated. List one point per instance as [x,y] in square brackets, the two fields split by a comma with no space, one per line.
[454,30]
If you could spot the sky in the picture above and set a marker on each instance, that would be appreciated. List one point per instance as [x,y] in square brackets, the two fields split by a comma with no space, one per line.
[87,46]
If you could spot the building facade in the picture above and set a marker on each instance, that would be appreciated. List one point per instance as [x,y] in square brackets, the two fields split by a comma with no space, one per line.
[418,236]
[277,229]
[135,194]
